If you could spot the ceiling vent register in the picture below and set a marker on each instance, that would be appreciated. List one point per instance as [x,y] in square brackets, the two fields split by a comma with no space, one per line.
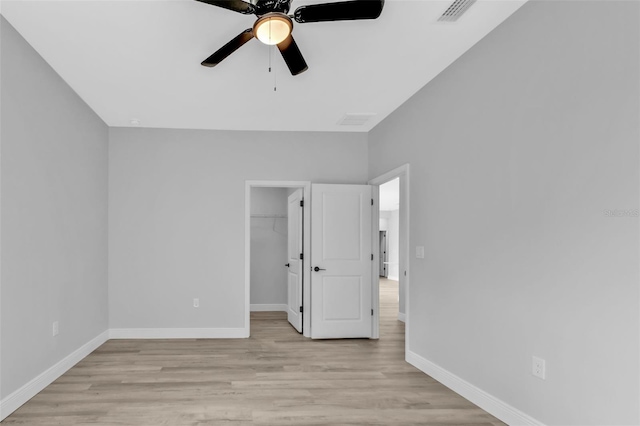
[355,119]
[456,10]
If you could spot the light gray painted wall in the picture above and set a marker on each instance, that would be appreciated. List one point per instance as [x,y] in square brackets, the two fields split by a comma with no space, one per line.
[516,151]
[54,216]
[269,246]
[169,190]
[270,201]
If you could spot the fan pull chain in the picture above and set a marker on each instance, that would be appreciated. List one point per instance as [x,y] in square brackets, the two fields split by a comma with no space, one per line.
[275,74]
[269,23]
[275,80]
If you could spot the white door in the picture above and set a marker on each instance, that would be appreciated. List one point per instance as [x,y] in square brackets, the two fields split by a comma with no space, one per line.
[294,261]
[341,261]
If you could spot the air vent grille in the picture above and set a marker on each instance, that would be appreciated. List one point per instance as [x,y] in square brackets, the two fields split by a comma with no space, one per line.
[355,119]
[455,11]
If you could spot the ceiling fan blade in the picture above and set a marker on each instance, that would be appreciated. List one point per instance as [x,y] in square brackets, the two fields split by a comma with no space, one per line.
[228,48]
[235,5]
[292,56]
[339,11]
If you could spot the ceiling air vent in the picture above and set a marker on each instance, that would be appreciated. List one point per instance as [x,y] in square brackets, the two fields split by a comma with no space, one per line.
[355,119]
[456,10]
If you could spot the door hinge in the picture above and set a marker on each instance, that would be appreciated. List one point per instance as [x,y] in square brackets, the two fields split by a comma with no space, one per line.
[301,309]
[371,312]
[371,256]
[301,203]
[301,256]
[372,201]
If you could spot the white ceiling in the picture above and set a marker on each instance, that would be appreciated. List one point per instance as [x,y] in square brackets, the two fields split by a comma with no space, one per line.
[141,60]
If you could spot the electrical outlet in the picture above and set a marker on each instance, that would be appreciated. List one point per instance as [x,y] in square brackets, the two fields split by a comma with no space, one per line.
[196,303]
[56,328]
[539,368]
[420,252]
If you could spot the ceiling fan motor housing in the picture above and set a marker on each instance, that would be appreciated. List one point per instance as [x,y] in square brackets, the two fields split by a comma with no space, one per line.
[266,6]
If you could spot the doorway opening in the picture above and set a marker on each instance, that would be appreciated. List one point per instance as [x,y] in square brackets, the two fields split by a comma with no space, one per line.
[389,252]
[391,290]
[275,282]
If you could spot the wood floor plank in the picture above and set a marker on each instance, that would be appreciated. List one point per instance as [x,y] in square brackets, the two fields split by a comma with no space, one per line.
[276,377]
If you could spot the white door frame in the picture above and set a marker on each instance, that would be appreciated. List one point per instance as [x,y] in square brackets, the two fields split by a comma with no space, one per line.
[306,232]
[401,172]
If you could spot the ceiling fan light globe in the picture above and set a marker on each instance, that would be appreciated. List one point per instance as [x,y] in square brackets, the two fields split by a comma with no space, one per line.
[273,28]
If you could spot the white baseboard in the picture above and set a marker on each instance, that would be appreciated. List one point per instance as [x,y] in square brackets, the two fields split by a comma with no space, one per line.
[402,317]
[482,399]
[393,278]
[178,333]
[269,308]
[13,401]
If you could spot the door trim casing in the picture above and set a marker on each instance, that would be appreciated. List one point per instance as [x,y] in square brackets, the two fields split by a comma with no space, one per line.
[401,172]
[306,231]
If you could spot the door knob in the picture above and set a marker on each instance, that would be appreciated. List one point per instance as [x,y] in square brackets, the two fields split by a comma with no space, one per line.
[318,269]
[287,265]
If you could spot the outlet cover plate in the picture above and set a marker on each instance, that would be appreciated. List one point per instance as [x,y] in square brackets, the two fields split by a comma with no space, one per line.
[539,368]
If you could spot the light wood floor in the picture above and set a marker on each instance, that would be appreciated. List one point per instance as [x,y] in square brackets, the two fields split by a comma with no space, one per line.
[276,377]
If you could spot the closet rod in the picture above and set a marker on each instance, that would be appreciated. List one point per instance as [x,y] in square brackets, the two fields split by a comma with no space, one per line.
[270,215]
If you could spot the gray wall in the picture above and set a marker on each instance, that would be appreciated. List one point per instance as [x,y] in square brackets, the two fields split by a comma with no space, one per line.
[516,151]
[54,216]
[269,246]
[169,190]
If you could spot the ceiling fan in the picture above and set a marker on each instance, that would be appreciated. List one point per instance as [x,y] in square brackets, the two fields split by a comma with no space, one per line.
[274,26]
